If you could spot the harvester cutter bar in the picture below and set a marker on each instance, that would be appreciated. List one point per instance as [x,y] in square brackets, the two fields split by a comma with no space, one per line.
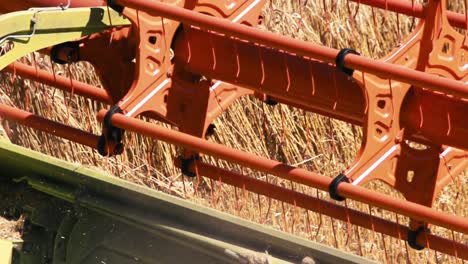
[167,228]
[298,55]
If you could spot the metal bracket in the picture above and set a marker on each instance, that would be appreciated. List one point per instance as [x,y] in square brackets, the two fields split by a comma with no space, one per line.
[185,164]
[60,7]
[413,236]
[333,188]
[110,134]
[340,61]
[34,21]
[51,26]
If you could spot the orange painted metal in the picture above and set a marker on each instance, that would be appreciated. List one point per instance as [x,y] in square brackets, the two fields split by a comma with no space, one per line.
[110,52]
[398,111]
[308,178]
[302,48]
[411,8]
[306,83]
[179,98]
[247,183]
[63,83]
[158,89]
[330,209]
[390,111]
[48,126]
[184,62]
[318,86]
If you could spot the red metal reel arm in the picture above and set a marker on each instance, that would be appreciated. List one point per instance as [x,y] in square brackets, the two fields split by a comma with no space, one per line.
[186,100]
[276,192]
[18,5]
[338,97]
[330,209]
[443,122]
[302,48]
[412,210]
[401,6]
[312,85]
[111,52]
[308,84]
[63,83]
[411,8]
[48,126]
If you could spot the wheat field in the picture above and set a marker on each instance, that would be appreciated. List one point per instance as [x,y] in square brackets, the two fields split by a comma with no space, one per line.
[280,132]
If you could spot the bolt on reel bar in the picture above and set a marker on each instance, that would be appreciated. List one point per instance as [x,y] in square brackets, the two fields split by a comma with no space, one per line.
[186,62]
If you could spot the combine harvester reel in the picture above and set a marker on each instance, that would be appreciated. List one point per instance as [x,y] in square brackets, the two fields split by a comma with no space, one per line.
[186,62]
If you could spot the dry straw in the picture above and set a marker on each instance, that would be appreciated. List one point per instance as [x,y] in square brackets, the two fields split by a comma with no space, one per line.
[283,133]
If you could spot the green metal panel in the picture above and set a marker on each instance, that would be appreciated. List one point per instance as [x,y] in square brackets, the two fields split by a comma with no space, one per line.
[53,27]
[121,214]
